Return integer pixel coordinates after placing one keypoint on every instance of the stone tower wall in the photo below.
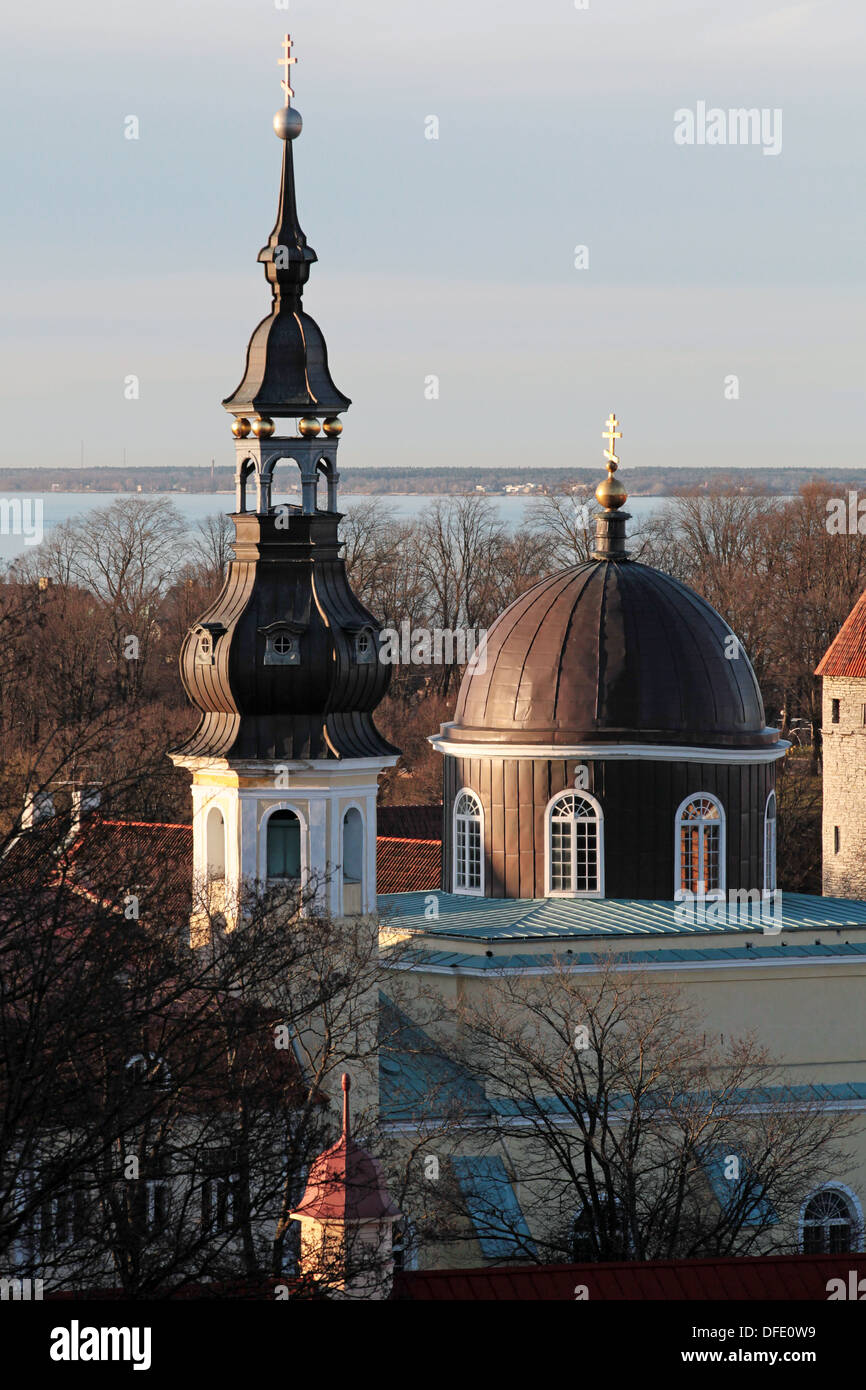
(844, 788)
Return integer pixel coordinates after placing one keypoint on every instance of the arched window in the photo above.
(700, 846)
(216, 844)
(147, 1069)
(284, 845)
(353, 861)
(353, 846)
(468, 839)
(404, 1246)
(770, 844)
(574, 847)
(599, 1233)
(830, 1226)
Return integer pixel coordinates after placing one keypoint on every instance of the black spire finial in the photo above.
(287, 358)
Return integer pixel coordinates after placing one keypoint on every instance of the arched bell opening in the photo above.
(243, 472)
(328, 470)
(353, 862)
(215, 844)
(283, 484)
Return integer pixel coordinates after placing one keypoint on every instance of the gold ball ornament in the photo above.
(241, 427)
(308, 427)
(263, 427)
(333, 427)
(610, 494)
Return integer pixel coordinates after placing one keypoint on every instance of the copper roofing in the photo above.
(846, 654)
(612, 650)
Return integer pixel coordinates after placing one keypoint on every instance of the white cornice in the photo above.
(609, 752)
(669, 967)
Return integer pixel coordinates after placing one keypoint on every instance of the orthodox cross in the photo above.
(611, 434)
(286, 62)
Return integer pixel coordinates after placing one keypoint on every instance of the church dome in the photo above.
(611, 651)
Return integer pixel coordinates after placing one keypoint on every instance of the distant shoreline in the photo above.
(650, 482)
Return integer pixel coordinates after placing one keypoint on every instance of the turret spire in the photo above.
(287, 359)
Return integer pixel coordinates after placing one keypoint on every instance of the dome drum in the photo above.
(637, 799)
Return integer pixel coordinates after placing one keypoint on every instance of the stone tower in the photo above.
(284, 665)
(843, 669)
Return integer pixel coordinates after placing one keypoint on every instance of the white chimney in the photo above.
(85, 800)
(38, 806)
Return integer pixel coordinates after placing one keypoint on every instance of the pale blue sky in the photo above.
(452, 257)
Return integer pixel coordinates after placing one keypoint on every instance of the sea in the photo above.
(25, 518)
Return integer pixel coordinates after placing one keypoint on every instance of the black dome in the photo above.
(612, 651)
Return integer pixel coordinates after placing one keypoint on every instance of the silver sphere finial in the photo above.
(288, 124)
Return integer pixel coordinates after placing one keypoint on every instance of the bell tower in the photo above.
(284, 665)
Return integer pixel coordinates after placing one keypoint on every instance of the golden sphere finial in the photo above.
(263, 427)
(333, 427)
(241, 427)
(308, 427)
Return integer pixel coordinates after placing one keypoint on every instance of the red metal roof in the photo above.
(846, 654)
(407, 866)
(345, 1182)
(790, 1277)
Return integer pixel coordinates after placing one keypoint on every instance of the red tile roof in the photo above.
(788, 1277)
(407, 866)
(846, 654)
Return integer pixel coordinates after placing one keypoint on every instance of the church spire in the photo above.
(287, 371)
(287, 257)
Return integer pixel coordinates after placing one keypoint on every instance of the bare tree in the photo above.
(633, 1135)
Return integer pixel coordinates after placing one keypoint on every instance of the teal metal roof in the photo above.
(523, 919)
(736, 1190)
(493, 1206)
(417, 1081)
(460, 960)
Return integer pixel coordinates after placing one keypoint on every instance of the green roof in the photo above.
(524, 919)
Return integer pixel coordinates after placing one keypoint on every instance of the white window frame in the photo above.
(263, 842)
(479, 821)
(854, 1206)
(714, 893)
(579, 795)
(770, 849)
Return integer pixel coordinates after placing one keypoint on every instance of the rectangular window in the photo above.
(220, 1190)
(560, 856)
(834, 711)
(468, 852)
(835, 839)
(863, 710)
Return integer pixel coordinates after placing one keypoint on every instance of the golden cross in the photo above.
(611, 434)
(286, 62)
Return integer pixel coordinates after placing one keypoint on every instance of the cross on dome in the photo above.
(286, 62)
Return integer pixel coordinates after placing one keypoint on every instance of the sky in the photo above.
(451, 257)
